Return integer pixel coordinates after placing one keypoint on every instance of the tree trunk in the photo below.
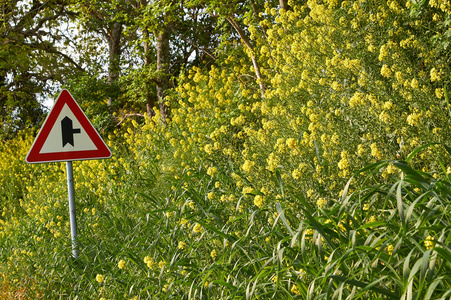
(113, 37)
(148, 58)
(163, 63)
(283, 4)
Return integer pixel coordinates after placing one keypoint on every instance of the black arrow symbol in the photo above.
(67, 129)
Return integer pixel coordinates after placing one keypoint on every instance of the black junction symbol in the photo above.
(68, 130)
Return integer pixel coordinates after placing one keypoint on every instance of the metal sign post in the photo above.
(72, 219)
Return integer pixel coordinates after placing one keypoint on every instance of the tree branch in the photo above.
(246, 41)
(42, 21)
(54, 51)
(195, 46)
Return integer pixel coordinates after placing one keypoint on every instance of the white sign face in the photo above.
(54, 142)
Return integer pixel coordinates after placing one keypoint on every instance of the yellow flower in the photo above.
(291, 143)
(372, 219)
(387, 105)
(435, 75)
(161, 264)
(390, 249)
(181, 245)
(121, 264)
(360, 150)
(336, 86)
(302, 272)
(212, 171)
(209, 149)
(247, 190)
(295, 290)
(439, 93)
(357, 99)
(375, 151)
(429, 242)
(296, 174)
(149, 262)
(385, 71)
(343, 164)
(384, 117)
(100, 278)
(214, 254)
(198, 228)
(413, 119)
(272, 161)
(247, 166)
(321, 202)
(258, 201)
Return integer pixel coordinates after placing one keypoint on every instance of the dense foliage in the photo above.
(309, 161)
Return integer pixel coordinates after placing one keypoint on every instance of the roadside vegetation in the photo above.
(319, 172)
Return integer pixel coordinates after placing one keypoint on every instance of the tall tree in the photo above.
(107, 19)
(156, 24)
(173, 36)
(30, 57)
(163, 62)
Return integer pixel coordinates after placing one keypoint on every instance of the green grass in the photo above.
(369, 243)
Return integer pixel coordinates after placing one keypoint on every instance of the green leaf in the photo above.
(344, 198)
(306, 207)
(281, 215)
(400, 202)
(366, 286)
(279, 180)
(406, 268)
(446, 95)
(444, 253)
(414, 152)
(375, 167)
(414, 176)
(226, 284)
(448, 149)
(431, 289)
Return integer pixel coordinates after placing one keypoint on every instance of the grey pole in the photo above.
(73, 221)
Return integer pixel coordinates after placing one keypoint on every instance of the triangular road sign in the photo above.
(67, 135)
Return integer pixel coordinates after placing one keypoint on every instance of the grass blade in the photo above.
(371, 286)
(414, 152)
(281, 215)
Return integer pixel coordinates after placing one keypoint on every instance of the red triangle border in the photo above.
(65, 97)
